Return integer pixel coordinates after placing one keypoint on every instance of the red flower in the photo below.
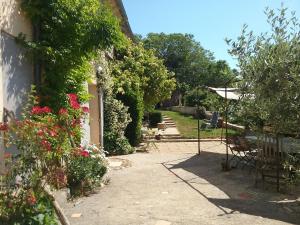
(85, 153)
(85, 109)
(46, 109)
(63, 111)
(3, 126)
(73, 101)
(73, 96)
(40, 132)
(75, 104)
(39, 110)
(52, 133)
(36, 110)
(46, 144)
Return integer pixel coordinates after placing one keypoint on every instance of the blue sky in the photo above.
(210, 21)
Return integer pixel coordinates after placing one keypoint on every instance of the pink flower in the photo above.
(63, 111)
(85, 109)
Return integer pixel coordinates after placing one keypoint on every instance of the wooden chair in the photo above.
(270, 158)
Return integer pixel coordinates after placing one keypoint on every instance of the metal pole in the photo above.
(226, 123)
(277, 162)
(199, 150)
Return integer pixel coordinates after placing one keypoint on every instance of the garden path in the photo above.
(172, 185)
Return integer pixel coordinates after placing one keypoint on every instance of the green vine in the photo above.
(70, 33)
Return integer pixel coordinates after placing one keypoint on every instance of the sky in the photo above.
(210, 21)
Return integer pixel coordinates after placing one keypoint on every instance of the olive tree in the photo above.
(270, 71)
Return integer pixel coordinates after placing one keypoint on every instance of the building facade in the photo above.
(17, 70)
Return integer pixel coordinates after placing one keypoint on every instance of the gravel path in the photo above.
(172, 185)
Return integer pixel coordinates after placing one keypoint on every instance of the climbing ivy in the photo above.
(70, 32)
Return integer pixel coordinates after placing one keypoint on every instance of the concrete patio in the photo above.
(173, 185)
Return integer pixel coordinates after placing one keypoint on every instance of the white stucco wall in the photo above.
(16, 71)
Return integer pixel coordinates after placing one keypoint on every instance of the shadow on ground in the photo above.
(238, 194)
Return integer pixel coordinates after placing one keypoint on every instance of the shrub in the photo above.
(116, 144)
(134, 100)
(155, 118)
(26, 207)
(85, 169)
(195, 97)
(116, 118)
(49, 152)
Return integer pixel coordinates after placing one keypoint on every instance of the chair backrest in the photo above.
(214, 119)
(268, 148)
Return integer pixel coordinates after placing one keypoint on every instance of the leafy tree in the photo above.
(182, 55)
(270, 67)
(192, 64)
(140, 81)
(141, 66)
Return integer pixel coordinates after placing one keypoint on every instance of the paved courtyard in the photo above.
(172, 185)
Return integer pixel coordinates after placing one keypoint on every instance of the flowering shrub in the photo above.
(86, 167)
(26, 207)
(49, 152)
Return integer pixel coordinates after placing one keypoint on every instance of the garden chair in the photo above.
(242, 152)
(270, 160)
(213, 122)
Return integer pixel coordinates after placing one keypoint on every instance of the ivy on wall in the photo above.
(70, 32)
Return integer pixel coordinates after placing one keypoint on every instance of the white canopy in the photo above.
(231, 92)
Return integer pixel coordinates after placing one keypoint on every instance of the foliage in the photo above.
(269, 65)
(49, 147)
(136, 64)
(86, 168)
(140, 82)
(192, 64)
(155, 118)
(69, 33)
(26, 207)
(204, 98)
(116, 116)
(134, 100)
(270, 69)
(117, 144)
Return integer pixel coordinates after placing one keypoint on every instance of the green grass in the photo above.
(188, 126)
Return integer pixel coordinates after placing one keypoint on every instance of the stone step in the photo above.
(183, 140)
(170, 137)
(170, 123)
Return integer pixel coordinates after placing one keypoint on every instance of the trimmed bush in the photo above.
(155, 118)
(134, 101)
(116, 144)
